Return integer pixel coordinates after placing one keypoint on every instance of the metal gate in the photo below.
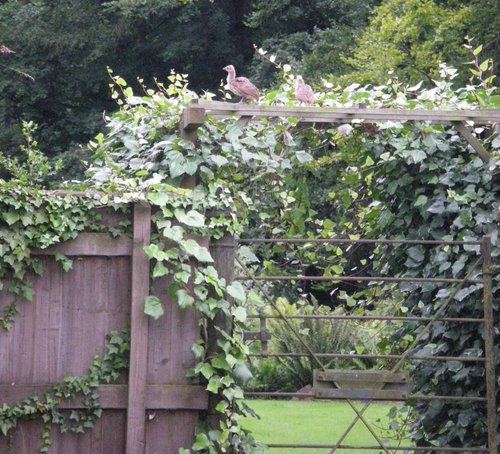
(392, 384)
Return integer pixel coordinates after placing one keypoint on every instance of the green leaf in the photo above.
(159, 198)
(477, 50)
(237, 291)
(240, 314)
(201, 442)
(247, 255)
(201, 253)
(421, 201)
(153, 307)
(160, 270)
(191, 218)
(198, 350)
(303, 156)
(417, 155)
(184, 299)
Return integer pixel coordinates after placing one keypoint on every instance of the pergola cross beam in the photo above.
(193, 114)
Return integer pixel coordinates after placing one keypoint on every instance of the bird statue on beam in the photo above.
(241, 86)
(303, 92)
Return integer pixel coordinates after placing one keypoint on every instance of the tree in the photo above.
(66, 46)
(311, 36)
(411, 38)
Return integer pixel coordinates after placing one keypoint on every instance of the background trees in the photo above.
(66, 46)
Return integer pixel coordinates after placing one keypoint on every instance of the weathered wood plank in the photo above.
(360, 394)
(136, 418)
(336, 115)
(93, 244)
(473, 142)
(160, 397)
(168, 431)
(361, 375)
(191, 118)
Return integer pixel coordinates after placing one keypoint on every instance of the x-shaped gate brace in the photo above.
(488, 270)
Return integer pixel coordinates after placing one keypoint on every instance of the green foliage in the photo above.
(284, 179)
(34, 218)
(410, 37)
(322, 336)
(104, 370)
(66, 47)
(311, 36)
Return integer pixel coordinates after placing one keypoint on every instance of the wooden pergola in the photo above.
(193, 117)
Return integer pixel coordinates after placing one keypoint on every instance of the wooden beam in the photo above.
(362, 375)
(192, 118)
(158, 397)
(473, 142)
(93, 244)
(360, 394)
(136, 409)
(341, 115)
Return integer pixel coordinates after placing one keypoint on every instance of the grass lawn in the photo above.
(315, 422)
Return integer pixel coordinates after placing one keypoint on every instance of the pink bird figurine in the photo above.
(241, 86)
(303, 92)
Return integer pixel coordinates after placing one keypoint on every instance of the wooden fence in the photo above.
(156, 409)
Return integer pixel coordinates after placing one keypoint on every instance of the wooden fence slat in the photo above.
(91, 244)
(157, 397)
(136, 417)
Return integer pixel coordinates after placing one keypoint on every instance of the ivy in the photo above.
(103, 370)
(276, 177)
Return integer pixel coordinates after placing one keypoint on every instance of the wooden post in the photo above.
(222, 252)
(192, 118)
(136, 410)
(473, 142)
(489, 345)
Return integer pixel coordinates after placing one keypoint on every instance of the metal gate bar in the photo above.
(358, 414)
(394, 448)
(485, 244)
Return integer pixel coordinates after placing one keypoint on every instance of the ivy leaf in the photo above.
(191, 218)
(201, 442)
(237, 291)
(198, 350)
(153, 307)
(66, 263)
(11, 218)
(184, 299)
(174, 233)
(240, 314)
(247, 255)
(160, 270)
(159, 198)
(303, 156)
(417, 155)
(421, 201)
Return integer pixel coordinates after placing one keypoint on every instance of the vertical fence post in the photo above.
(489, 339)
(222, 252)
(136, 408)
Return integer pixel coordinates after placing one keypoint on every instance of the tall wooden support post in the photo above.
(192, 118)
(136, 409)
(489, 340)
(222, 252)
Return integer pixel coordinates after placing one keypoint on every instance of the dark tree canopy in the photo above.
(67, 45)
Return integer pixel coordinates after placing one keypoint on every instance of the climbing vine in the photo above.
(103, 370)
(272, 176)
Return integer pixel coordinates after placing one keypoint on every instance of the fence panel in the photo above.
(67, 323)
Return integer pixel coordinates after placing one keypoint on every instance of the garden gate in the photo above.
(392, 385)
(194, 117)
